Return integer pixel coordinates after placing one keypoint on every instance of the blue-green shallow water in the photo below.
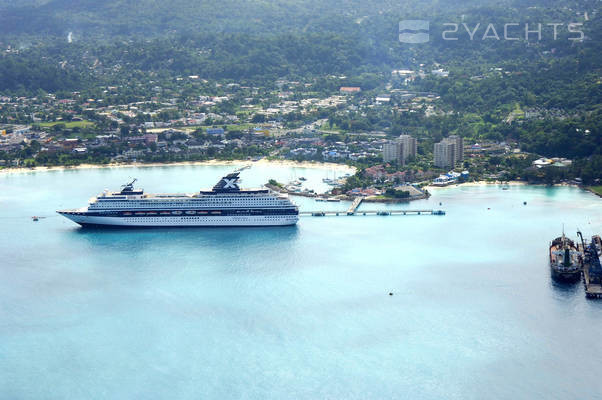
(300, 312)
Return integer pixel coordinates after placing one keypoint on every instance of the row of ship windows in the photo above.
(188, 202)
(193, 199)
(97, 205)
(220, 220)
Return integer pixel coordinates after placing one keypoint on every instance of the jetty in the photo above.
(592, 269)
(593, 286)
(320, 213)
(353, 207)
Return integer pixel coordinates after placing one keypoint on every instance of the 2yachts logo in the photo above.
(417, 31)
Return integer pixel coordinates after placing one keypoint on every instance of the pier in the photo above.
(592, 290)
(591, 268)
(353, 207)
(370, 212)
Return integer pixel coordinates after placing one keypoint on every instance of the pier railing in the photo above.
(370, 212)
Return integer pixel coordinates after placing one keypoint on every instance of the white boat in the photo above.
(225, 205)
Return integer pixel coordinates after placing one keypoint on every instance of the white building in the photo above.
(400, 149)
(448, 152)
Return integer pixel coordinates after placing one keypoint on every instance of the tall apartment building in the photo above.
(449, 151)
(392, 151)
(459, 142)
(400, 149)
(408, 147)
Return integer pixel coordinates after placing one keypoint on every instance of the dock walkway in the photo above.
(353, 207)
(370, 212)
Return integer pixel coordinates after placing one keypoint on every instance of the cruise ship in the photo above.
(225, 205)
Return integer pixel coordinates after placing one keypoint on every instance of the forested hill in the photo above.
(154, 17)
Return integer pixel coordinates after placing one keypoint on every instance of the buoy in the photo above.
(524, 203)
(390, 293)
(439, 203)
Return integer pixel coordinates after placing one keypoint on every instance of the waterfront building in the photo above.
(400, 149)
(444, 154)
(448, 152)
(392, 151)
(409, 146)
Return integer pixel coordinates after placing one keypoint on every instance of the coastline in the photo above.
(481, 183)
(432, 188)
(283, 163)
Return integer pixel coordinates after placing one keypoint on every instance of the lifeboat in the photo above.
(140, 213)
(190, 212)
(164, 213)
(176, 212)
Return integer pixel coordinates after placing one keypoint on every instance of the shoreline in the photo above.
(432, 188)
(282, 163)
(484, 183)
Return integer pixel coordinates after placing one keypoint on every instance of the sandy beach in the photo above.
(432, 188)
(280, 163)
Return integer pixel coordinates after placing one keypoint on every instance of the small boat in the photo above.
(565, 262)
(333, 200)
(320, 199)
(35, 219)
(301, 178)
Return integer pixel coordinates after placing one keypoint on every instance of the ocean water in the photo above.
(298, 312)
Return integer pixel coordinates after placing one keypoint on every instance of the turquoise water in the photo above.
(295, 312)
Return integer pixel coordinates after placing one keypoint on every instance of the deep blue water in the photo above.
(297, 312)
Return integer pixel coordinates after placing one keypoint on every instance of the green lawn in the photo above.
(330, 128)
(229, 127)
(596, 189)
(68, 125)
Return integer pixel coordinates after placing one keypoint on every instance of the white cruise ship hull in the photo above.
(182, 221)
(225, 205)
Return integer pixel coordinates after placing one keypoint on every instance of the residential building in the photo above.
(399, 150)
(392, 151)
(444, 154)
(408, 147)
(448, 152)
(350, 89)
(459, 142)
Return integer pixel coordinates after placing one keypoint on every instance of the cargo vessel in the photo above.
(565, 260)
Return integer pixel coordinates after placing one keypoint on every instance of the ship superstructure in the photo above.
(225, 205)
